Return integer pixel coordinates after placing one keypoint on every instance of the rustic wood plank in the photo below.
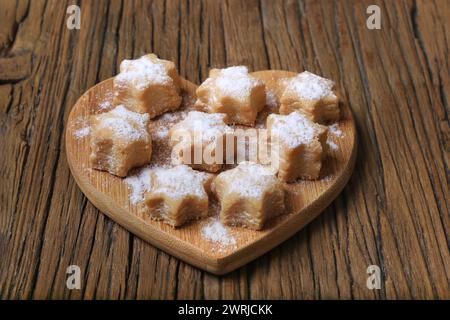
(393, 213)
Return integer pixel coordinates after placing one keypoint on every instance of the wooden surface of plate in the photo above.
(305, 199)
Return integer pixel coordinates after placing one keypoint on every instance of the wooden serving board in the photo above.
(110, 194)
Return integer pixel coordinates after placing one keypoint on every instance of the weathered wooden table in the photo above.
(394, 213)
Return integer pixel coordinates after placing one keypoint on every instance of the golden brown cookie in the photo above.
(312, 95)
(300, 145)
(234, 92)
(120, 140)
(177, 195)
(249, 195)
(148, 85)
(199, 140)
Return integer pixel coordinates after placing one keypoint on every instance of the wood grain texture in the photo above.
(394, 212)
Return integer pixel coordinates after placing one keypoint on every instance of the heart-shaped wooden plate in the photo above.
(111, 195)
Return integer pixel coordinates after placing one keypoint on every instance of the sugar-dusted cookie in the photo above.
(120, 140)
(300, 145)
(148, 85)
(312, 95)
(177, 195)
(249, 195)
(199, 140)
(234, 92)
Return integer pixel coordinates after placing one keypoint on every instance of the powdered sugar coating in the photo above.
(160, 133)
(309, 86)
(236, 83)
(217, 233)
(180, 181)
(104, 105)
(82, 132)
(249, 179)
(143, 72)
(210, 125)
(81, 127)
(122, 112)
(161, 125)
(139, 184)
(332, 145)
(124, 124)
(271, 99)
(170, 117)
(293, 129)
(335, 130)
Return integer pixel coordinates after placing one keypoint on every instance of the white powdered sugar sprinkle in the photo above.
(210, 125)
(81, 128)
(335, 130)
(122, 112)
(141, 73)
(170, 117)
(180, 181)
(104, 105)
(163, 124)
(249, 179)
(160, 133)
(122, 128)
(294, 129)
(217, 233)
(139, 184)
(236, 82)
(271, 99)
(307, 85)
(82, 132)
(332, 145)
(124, 123)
